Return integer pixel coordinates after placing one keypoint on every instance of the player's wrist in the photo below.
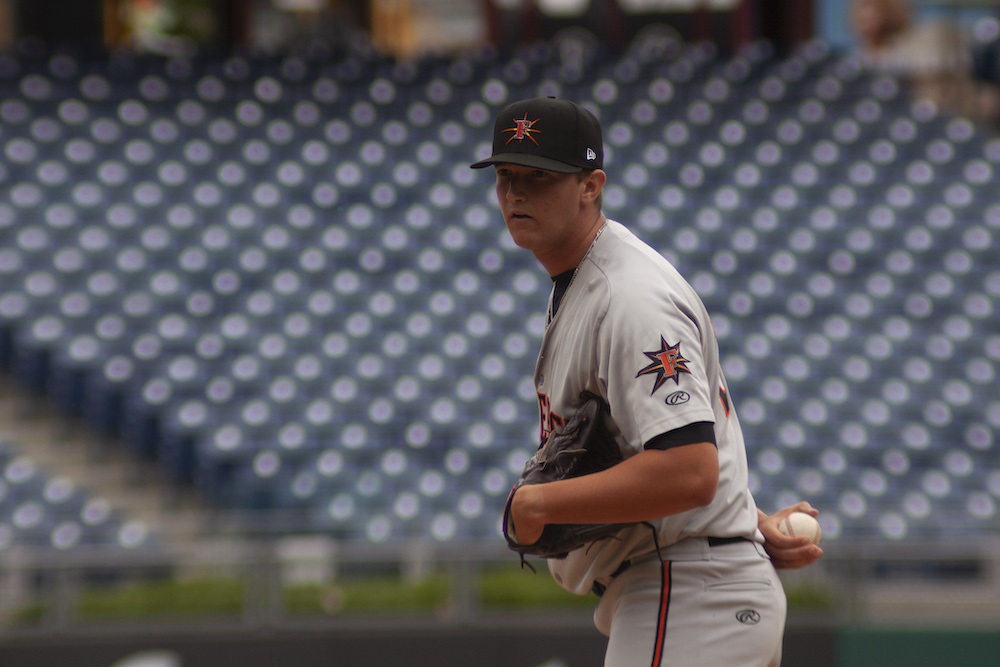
(525, 506)
(525, 514)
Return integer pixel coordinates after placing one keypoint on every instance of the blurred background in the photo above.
(266, 348)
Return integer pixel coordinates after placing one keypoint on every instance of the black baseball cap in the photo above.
(547, 133)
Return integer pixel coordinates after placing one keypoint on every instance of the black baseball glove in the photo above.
(583, 446)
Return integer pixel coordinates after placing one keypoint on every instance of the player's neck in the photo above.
(570, 256)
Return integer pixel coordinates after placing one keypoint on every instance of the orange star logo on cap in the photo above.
(523, 129)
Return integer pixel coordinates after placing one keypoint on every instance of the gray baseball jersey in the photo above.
(630, 329)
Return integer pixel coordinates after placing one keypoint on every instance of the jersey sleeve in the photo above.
(651, 357)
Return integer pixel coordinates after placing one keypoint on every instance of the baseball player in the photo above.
(691, 583)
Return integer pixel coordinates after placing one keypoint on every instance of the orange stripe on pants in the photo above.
(661, 621)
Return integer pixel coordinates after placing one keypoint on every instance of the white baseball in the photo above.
(800, 524)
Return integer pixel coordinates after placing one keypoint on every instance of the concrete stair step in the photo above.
(102, 467)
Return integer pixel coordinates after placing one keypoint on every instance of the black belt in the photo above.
(723, 541)
(599, 589)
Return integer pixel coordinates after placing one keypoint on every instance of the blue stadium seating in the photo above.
(278, 279)
(38, 510)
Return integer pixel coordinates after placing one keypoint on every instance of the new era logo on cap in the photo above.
(551, 134)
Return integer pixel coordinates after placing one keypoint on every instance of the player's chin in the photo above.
(523, 232)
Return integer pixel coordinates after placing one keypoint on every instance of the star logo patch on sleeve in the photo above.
(667, 364)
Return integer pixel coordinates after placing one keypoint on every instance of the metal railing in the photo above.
(41, 590)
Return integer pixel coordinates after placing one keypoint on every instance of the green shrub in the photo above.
(369, 594)
(194, 597)
(500, 588)
(510, 587)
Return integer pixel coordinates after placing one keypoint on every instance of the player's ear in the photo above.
(594, 185)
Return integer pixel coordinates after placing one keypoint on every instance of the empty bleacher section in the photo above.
(278, 278)
(45, 511)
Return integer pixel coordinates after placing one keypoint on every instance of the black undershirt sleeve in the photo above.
(685, 435)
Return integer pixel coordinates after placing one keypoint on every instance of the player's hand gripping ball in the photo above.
(800, 524)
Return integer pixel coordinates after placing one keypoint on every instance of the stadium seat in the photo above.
(277, 278)
(52, 512)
